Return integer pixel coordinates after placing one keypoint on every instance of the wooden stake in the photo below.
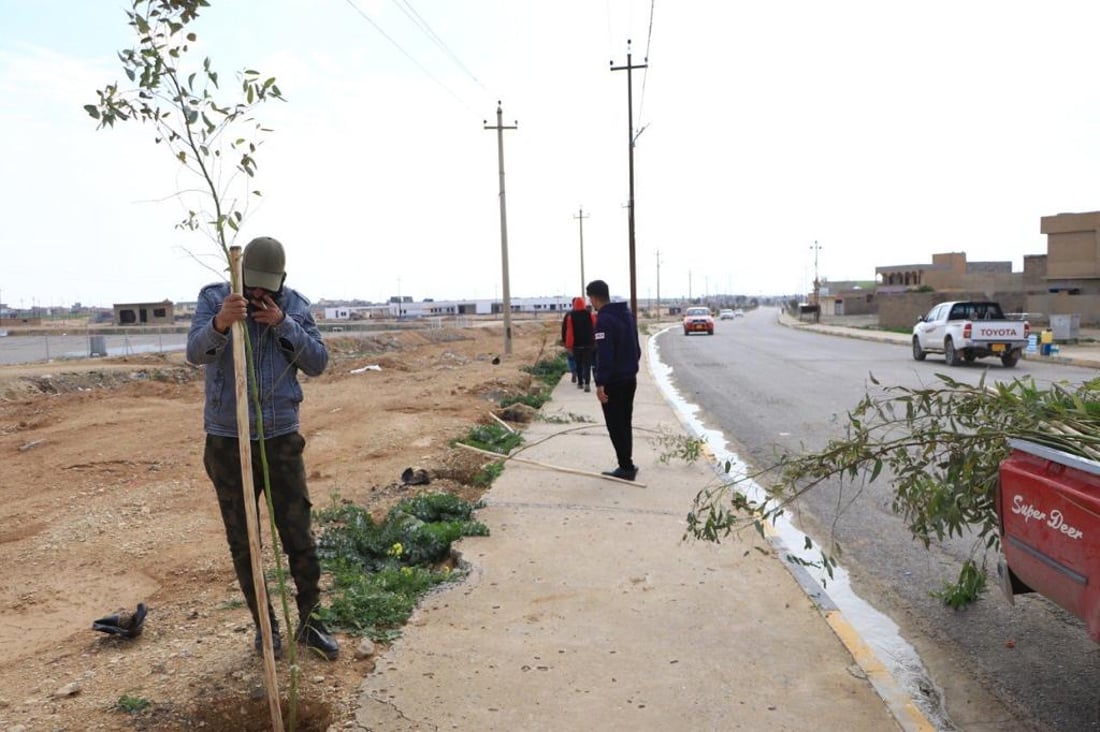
(559, 468)
(240, 371)
(503, 424)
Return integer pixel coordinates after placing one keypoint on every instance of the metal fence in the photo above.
(49, 346)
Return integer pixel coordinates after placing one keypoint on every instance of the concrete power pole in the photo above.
(658, 284)
(817, 284)
(580, 217)
(629, 69)
(507, 300)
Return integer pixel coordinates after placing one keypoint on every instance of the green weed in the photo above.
(380, 569)
(132, 704)
(535, 401)
(488, 474)
(492, 437)
(549, 370)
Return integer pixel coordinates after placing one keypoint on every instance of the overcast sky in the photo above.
(885, 131)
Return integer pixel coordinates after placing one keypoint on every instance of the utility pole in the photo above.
(689, 286)
(817, 284)
(507, 302)
(658, 284)
(629, 69)
(580, 217)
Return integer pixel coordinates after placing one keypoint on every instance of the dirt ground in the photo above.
(104, 504)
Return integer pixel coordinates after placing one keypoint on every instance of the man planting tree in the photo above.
(284, 340)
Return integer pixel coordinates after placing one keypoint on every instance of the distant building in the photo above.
(847, 297)
(1067, 280)
(145, 313)
(948, 271)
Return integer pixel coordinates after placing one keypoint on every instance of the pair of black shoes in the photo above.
(312, 633)
(623, 473)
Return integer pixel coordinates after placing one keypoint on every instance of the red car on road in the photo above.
(698, 320)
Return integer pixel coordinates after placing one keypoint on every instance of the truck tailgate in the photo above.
(1049, 506)
(999, 331)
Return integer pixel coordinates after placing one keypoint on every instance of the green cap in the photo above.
(264, 264)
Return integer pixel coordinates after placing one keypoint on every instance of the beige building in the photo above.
(948, 271)
(905, 292)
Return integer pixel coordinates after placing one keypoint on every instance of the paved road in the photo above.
(767, 387)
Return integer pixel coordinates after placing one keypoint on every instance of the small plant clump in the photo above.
(535, 401)
(132, 704)
(380, 570)
(549, 370)
(485, 477)
(678, 447)
(492, 438)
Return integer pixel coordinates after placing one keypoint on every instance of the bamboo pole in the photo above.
(548, 466)
(240, 371)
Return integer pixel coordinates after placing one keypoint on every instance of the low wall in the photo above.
(1061, 303)
(899, 310)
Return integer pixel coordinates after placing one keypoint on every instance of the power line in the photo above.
(419, 21)
(407, 55)
(645, 74)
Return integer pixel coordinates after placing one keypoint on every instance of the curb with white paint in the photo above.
(872, 639)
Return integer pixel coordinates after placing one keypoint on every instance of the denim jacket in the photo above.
(279, 353)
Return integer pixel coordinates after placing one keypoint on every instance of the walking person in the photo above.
(617, 357)
(569, 360)
(580, 331)
(285, 340)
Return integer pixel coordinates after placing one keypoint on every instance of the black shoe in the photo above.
(587, 387)
(316, 636)
(622, 473)
(574, 379)
(276, 642)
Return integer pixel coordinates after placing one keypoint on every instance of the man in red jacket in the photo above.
(580, 329)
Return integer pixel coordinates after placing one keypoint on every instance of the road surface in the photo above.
(767, 388)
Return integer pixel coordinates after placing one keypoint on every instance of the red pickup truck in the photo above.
(1048, 503)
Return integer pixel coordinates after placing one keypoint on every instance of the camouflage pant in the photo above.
(290, 496)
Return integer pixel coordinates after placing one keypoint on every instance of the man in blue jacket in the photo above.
(617, 356)
(284, 340)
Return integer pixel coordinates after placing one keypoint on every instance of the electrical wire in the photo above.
(408, 55)
(645, 72)
(410, 12)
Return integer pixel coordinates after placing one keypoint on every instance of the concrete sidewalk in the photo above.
(586, 610)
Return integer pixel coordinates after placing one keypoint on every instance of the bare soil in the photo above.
(104, 504)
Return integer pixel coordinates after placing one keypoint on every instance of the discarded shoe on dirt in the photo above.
(415, 476)
(123, 623)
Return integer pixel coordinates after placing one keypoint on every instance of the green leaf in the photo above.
(192, 117)
(92, 110)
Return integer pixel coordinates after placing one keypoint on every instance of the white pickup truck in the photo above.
(964, 331)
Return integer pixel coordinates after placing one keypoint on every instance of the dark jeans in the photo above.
(290, 497)
(618, 412)
(583, 356)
